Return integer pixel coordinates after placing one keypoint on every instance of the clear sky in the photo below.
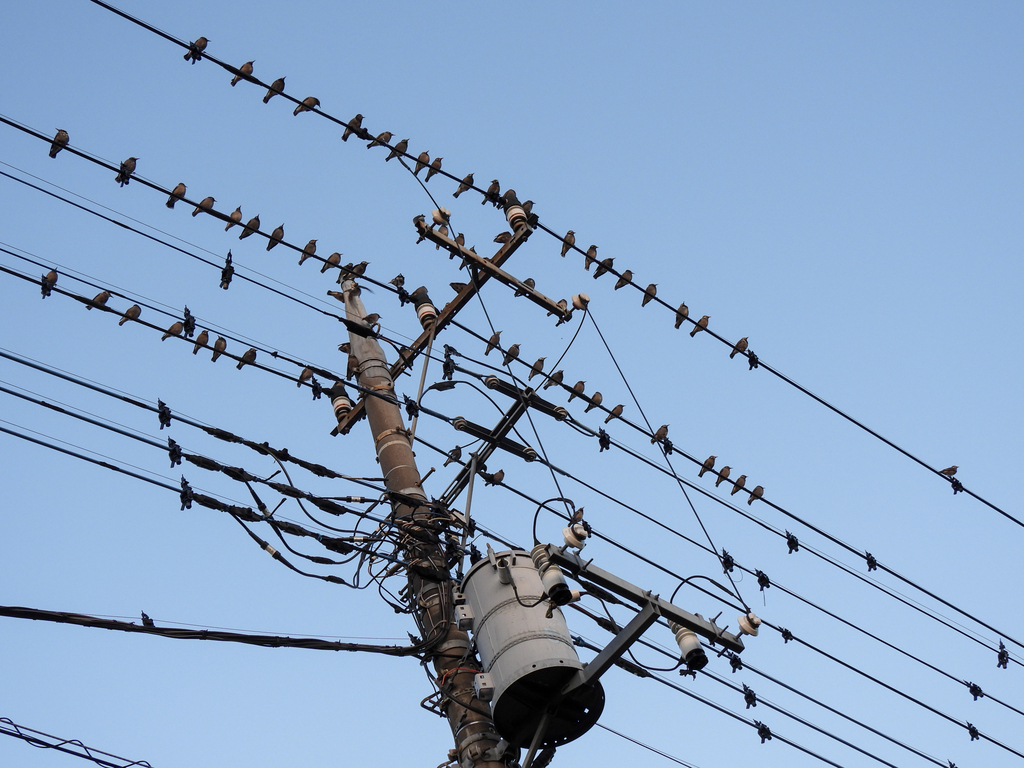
(840, 183)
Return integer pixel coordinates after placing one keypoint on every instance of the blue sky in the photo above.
(842, 184)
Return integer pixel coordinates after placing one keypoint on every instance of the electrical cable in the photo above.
(68, 746)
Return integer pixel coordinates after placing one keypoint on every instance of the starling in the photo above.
(306, 105)
(443, 231)
(434, 168)
(492, 342)
(650, 293)
(248, 357)
(457, 287)
(739, 349)
(47, 282)
(511, 354)
(563, 305)
(201, 340)
(346, 348)
(174, 330)
(245, 69)
(950, 471)
(381, 140)
(355, 125)
(124, 173)
(453, 455)
(227, 272)
(626, 279)
(568, 242)
(337, 295)
(464, 186)
(353, 366)
(681, 314)
(757, 493)
(661, 434)
(527, 283)
(359, 269)
(235, 216)
(503, 237)
(577, 389)
(275, 237)
(59, 142)
(399, 150)
(554, 379)
(195, 50)
(536, 368)
(176, 194)
(491, 194)
(603, 267)
(146, 621)
(738, 485)
(615, 413)
(309, 250)
(700, 326)
(421, 162)
(205, 205)
(218, 348)
(307, 373)
(275, 88)
(595, 400)
(252, 226)
(333, 260)
(460, 239)
(528, 207)
(132, 313)
(591, 257)
(494, 479)
(398, 280)
(723, 475)
(372, 319)
(707, 466)
(99, 300)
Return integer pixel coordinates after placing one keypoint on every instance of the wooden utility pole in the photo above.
(423, 528)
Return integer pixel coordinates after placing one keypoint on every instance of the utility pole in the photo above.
(423, 528)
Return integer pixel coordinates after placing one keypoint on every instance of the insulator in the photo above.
(575, 536)
(514, 213)
(689, 645)
(340, 401)
(749, 624)
(425, 311)
(551, 576)
(580, 300)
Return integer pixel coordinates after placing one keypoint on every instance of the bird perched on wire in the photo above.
(398, 280)
(235, 216)
(707, 466)
(60, 140)
(701, 325)
(248, 357)
(251, 226)
(355, 125)
(204, 205)
(421, 162)
(334, 260)
(275, 89)
(453, 455)
(660, 434)
(492, 342)
(175, 330)
(47, 282)
(195, 50)
(218, 348)
(650, 293)
(568, 242)
(737, 486)
(381, 141)
(494, 479)
(603, 267)
(132, 313)
(464, 186)
(537, 368)
(176, 194)
(595, 400)
(739, 348)
(99, 300)
(949, 471)
(201, 339)
(554, 379)
(615, 413)
(757, 493)
(511, 354)
(146, 621)
(577, 390)
(399, 150)
(245, 70)
(373, 320)
(624, 280)
(308, 251)
(124, 173)
(275, 237)
(681, 314)
(723, 475)
(434, 168)
(491, 195)
(306, 105)
(306, 375)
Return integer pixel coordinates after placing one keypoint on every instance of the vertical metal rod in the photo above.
(542, 726)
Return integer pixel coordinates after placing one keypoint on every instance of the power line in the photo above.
(68, 746)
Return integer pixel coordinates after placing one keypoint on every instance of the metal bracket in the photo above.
(618, 646)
